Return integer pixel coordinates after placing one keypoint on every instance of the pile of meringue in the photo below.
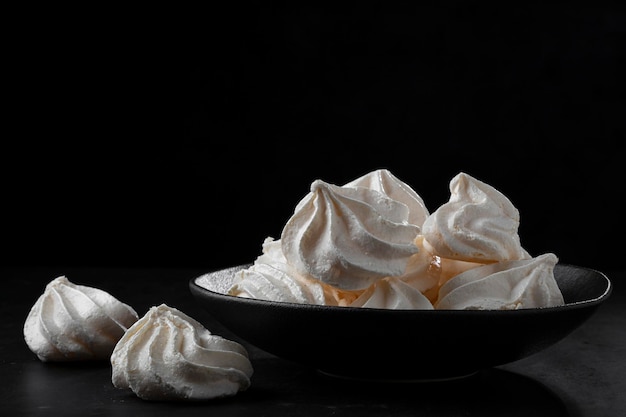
(372, 243)
(165, 355)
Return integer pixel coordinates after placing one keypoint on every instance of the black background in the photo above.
(182, 138)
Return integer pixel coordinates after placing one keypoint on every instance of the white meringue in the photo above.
(506, 285)
(270, 282)
(392, 293)
(167, 355)
(477, 224)
(70, 322)
(271, 252)
(271, 278)
(373, 243)
(423, 270)
(348, 237)
(382, 180)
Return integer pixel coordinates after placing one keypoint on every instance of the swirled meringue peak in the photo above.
(392, 293)
(372, 243)
(348, 237)
(477, 224)
(70, 322)
(167, 355)
(507, 285)
(382, 180)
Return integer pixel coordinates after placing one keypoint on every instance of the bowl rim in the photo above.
(194, 285)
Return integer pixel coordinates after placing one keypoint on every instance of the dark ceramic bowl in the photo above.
(383, 344)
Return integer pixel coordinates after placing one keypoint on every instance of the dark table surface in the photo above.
(582, 375)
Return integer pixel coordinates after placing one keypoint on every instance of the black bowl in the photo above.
(381, 344)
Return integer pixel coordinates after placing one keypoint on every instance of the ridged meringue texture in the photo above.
(373, 244)
(271, 278)
(70, 322)
(383, 181)
(270, 282)
(348, 237)
(477, 224)
(168, 356)
(392, 293)
(506, 285)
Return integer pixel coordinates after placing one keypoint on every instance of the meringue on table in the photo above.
(167, 355)
(70, 322)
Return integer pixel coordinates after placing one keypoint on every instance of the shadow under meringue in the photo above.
(282, 388)
(490, 392)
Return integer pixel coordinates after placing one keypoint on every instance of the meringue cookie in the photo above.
(271, 278)
(392, 293)
(506, 285)
(372, 242)
(70, 322)
(382, 180)
(167, 355)
(423, 270)
(271, 252)
(348, 237)
(477, 224)
(270, 282)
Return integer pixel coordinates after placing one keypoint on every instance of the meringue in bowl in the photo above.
(400, 344)
(364, 281)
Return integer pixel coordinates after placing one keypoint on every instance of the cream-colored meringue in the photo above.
(372, 242)
(271, 252)
(258, 281)
(167, 355)
(477, 224)
(382, 180)
(506, 285)
(273, 283)
(70, 322)
(392, 293)
(348, 237)
(423, 270)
